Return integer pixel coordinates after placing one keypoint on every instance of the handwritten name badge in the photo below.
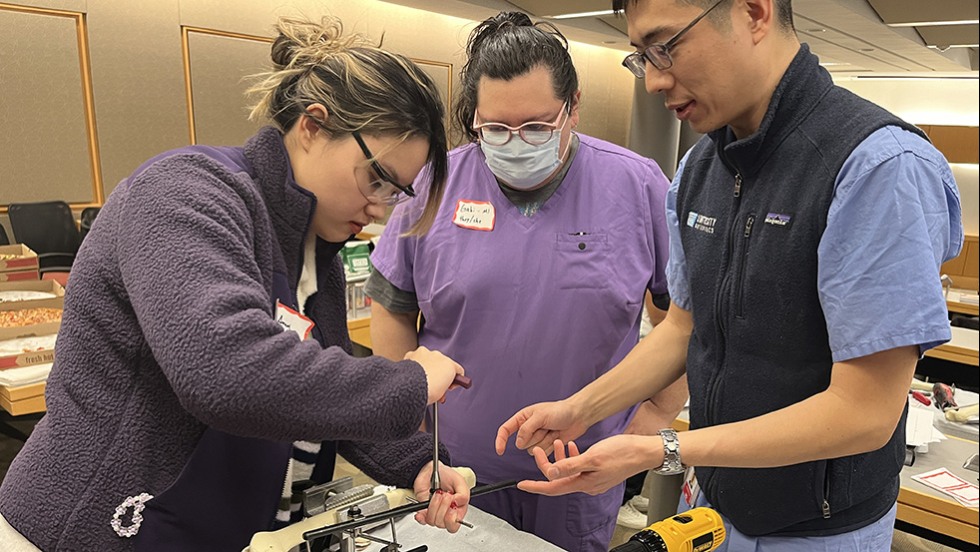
(475, 215)
(291, 320)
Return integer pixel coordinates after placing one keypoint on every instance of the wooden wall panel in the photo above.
(960, 144)
(48, 146)
(970, 268)
(964, 268)
(218, 65)
(216, 71)
(138, 82)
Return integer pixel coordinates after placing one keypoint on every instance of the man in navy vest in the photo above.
(807, 229)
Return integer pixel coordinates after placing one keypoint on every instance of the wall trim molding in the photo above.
(88, 97)
(185, 45)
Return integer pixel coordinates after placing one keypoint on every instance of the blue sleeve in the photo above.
(657, 184)
(894, 219)
(677, 280)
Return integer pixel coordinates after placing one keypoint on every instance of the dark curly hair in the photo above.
(506, 46)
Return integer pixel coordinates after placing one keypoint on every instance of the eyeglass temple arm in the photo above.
(409, 191)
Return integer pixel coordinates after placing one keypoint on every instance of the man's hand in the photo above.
(450, 503)
(539, 425)
(605, 465)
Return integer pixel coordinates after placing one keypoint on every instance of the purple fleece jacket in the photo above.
(168, 330)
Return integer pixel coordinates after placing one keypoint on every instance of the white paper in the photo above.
(14, 377)
(918, 426)
(23, 295)
(948, 483)
(475, 215)
(22, 345)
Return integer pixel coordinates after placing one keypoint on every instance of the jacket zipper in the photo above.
(740, 276)
(825, 506)
(720, 299)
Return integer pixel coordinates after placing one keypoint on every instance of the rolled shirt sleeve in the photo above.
(894, 219)
(677, 281)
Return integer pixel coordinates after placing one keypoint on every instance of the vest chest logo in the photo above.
(703, 223)
(778, 219)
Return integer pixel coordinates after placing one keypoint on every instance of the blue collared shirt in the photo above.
(894, 219)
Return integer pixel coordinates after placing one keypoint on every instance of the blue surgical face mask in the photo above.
(523, 166)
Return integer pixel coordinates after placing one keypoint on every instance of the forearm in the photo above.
(840, 421)
(656, 362)
(392, 462)
(393, 333)
(662, 409)
(656, 315)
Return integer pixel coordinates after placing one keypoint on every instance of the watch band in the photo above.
(672, 464)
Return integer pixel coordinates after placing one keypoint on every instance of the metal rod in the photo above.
(435, 483)
(378, 540)
(462, 522)
(395, 512)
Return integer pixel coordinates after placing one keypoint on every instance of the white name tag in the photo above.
(474, 215)
(291, 320)
(690, 489)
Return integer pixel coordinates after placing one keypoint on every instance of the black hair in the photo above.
(784, 10)
(363, 88)
(506, 46)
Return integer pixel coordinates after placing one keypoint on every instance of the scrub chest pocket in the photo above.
(582, 260)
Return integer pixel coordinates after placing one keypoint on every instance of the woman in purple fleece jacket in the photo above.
(182, 407)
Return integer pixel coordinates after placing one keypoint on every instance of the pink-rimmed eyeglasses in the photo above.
(534, 133)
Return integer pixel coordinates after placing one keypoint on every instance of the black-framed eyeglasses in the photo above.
(380, 191)
(658, 53)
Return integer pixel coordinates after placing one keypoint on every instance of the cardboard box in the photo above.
(45, 286)
(25, 399)
(19, 276)
(50, 303)
(356, 255)
(23, 392)
(18, 263)
(29, 358)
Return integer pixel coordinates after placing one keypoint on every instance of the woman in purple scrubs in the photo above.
(534, 272)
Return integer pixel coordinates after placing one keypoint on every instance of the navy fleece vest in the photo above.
(752, 213)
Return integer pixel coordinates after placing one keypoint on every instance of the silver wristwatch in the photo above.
(672, 454)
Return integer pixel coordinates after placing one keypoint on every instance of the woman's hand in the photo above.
(448, 507)
(440, 371)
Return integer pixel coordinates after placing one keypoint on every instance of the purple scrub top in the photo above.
(533, 308)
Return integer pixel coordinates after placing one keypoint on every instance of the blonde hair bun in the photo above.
(303, 43)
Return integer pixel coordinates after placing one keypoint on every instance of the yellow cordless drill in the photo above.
(697, 530)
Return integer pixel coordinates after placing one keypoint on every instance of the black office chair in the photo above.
(3, 236)
(87, 218)
(49, 229)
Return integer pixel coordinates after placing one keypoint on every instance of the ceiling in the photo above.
(863, 38)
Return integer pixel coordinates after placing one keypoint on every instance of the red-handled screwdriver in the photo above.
(917, 395)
